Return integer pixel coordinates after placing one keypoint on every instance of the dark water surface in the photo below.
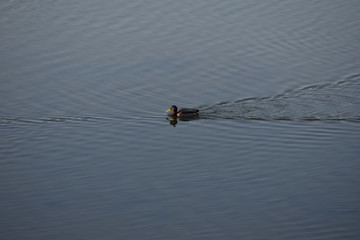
(86, 151)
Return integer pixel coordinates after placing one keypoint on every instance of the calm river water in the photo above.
(87, 152)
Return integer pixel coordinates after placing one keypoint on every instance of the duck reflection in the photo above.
(173, 120)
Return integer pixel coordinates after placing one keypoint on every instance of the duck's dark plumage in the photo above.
(182, 112)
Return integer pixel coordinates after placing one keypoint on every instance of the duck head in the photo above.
(172, 110)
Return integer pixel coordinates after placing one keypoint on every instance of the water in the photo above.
(328, 101)
(86, 150)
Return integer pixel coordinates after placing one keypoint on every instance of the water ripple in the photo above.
(329, 101)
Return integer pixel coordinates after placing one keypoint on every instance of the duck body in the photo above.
(182, 112)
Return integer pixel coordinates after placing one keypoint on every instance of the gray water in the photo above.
(87, 152)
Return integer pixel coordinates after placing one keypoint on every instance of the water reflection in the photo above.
(173, 120)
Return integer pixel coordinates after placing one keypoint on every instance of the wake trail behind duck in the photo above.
(339, 100)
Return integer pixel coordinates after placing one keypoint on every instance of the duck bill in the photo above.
(168, 110)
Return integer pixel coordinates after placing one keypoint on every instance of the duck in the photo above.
(182, 112)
